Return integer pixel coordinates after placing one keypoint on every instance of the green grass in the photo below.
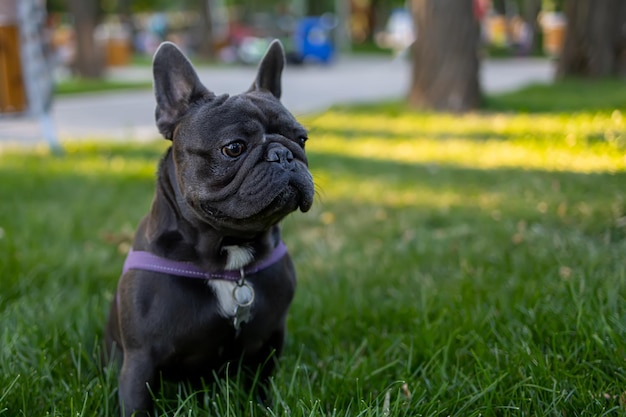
(369, 48)
(80, 85)
(570, 95)
(451, 265)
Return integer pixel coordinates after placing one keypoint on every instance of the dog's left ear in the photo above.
(176, 87)
(270, 70)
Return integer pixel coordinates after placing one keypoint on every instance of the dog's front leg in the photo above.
(264, 362)
(136, 377)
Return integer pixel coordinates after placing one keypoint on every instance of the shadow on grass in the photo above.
(567, 198)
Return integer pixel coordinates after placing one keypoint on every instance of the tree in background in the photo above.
(203, 29)
(89, 59)
(445, 56)
(530, 10)
(595, 40)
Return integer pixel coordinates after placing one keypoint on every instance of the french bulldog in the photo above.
(208, 281)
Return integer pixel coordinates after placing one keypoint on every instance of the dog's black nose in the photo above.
(280, 154)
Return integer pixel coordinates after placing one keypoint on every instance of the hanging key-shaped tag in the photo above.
(243, 294)
(242, 315)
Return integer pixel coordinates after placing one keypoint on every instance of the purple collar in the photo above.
(150, 262)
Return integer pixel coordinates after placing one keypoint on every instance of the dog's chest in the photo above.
(237, 258)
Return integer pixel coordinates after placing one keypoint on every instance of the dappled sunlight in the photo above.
(90, 159)
(487, 154)
(583, 126)
(429, 123)
(114, 165)
(578, 143)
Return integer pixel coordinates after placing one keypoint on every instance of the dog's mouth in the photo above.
(294, 195)
(255, 212)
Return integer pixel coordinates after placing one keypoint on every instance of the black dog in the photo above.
(208, 280)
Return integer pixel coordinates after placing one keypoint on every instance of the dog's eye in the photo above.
(234, 149)
(302, 140)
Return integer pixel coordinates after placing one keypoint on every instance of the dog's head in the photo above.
(239, 160)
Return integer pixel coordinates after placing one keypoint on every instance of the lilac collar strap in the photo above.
(149, 262)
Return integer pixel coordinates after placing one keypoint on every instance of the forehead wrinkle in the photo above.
(246, 128)
(254, 111)
(243, 106)
(231, 111)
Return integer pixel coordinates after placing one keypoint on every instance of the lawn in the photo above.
(78, 85)
(451, 265)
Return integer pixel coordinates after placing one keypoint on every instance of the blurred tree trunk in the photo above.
(124, 9)
(377, 17)
(315, 7)
(206, 45)
(595, 39)
(89, 58)
(530, 11)
(445, 56)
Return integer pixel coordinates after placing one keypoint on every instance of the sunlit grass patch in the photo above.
(579, 143)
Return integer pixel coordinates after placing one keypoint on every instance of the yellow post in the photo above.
(12, 90)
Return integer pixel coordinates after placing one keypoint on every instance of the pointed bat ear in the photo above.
(176, 87)
(270, 70)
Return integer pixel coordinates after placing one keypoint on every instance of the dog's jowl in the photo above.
(208, 280)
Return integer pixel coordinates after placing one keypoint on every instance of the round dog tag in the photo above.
(243, 294)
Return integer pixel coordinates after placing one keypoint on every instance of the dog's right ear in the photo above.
(176, 87)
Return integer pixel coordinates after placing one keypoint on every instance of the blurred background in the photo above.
(84, 37)
(46, 43)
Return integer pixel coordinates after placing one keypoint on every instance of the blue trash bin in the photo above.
(313, 39)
